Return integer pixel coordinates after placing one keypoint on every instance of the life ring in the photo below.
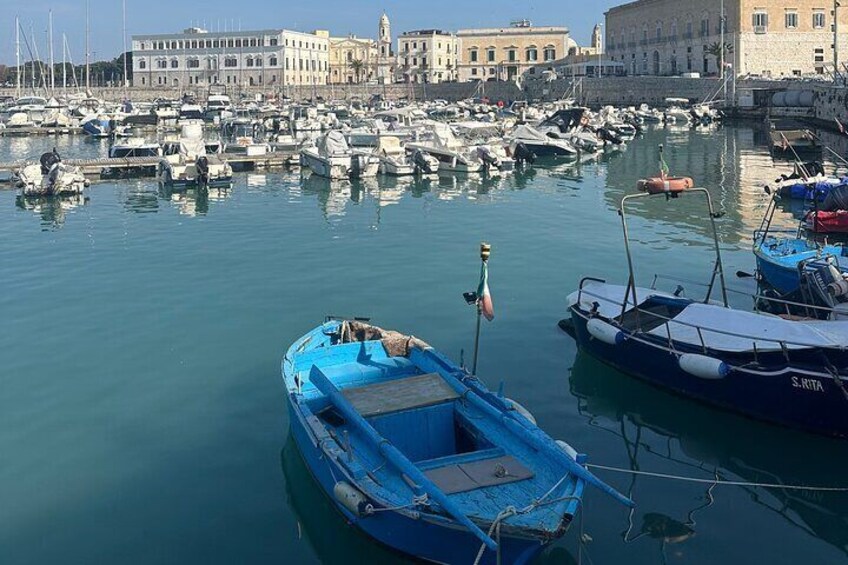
(659, 185)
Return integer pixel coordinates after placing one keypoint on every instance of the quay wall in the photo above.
(595, 92)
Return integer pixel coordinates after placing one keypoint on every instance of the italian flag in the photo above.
(484, 296)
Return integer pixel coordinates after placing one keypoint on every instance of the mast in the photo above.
(87, 50)
(124, 14)
(52, 62)
(18, 90)
(64, 66)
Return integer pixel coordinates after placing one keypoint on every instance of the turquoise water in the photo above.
(142, 414)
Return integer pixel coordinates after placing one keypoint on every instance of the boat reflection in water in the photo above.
(53, 210)
(712, 443)
(332, 539)
(194, 201)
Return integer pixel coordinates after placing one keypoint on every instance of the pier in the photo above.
(94, 167)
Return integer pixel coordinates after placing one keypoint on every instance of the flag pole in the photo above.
(485, 252)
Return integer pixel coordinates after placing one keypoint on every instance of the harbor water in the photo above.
(142, 412)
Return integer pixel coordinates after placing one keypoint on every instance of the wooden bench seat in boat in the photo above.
(400, 395)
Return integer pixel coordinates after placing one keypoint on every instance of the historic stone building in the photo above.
(199, 58)
(353, 60)
(505, 53)
(427, 56)
(761, 37)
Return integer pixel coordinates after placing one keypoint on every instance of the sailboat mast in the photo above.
(52, 62)
(18, 56)
(126, 80)
(87, 50)
(64, 65)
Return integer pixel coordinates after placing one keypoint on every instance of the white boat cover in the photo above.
(334, 143)
(716, 322)
(750, 328)
(527, 132)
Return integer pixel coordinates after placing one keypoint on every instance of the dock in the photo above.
(94, 167)
(38, 130)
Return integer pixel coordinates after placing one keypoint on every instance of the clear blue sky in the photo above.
(339, 16)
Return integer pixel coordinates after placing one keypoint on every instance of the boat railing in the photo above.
(783, 343)
(754, 297)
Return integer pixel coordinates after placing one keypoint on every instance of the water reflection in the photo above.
(654, 426)
(52, 210)
(321, 525)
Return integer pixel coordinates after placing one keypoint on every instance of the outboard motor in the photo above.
(422, 165)
(609, 136)
(48, 160)
(202, 165)
(53, 179)
(522, 154)
(488, 157)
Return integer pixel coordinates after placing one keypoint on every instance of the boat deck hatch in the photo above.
(651, 314)
(400, 395)
(464, 477)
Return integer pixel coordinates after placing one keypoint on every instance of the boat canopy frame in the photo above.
(718, 267)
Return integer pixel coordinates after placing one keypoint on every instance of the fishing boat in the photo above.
(781, 370)
(781, 256)
(417, 453)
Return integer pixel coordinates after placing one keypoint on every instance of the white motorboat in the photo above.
(50, 177)
(191, 165)
(134, 147)
(538, 144)
(332, 158)
(455, 157)
(675, 112)
(218, 107)
(397, 162)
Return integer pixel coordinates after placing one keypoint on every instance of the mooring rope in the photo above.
(716, 481)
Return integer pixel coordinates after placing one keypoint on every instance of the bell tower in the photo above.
(384, 50)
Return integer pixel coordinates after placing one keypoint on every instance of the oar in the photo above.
(398, 459)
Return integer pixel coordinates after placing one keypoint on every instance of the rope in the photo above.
(718, 482)
(507, 512)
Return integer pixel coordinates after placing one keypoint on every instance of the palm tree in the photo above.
(357, 65)
(714, 49)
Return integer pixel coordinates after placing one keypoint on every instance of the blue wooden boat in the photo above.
(418, 454)
(789, 372)
(780, 260)
(781, 256)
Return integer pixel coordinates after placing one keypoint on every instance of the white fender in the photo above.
(522, 410)
(602, 331)
(351, 498)
(704, 367)
(570, 451)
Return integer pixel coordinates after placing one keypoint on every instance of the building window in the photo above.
(659, 33)
(474, 72)
(490, 55)
(193, 63)
(550, 53)
(511, 55)
(705, 27)
(760, 21)
(142, 64)
(791, 19)
(249, 62)
(175, 64)
(230, 62)
(272, 61)
(473, 56)
(818, 19)
(532, 54)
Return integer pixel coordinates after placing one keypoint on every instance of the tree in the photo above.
(714, 49)
(357, 66)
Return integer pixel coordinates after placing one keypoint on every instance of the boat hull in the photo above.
(788, 397)
(420, 538)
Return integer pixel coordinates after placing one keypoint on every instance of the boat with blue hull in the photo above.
(419, 455)
(785, 371)
(782, 256)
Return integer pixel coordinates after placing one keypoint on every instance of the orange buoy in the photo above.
(668, 185)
